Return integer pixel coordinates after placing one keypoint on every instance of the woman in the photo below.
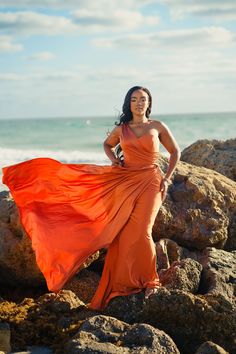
(71, 210)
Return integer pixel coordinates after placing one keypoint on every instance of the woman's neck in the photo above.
(139, 119)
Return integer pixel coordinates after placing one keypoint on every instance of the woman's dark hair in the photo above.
(127, 115)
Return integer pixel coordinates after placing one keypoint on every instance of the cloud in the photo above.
(7, 45)
(32, 23)
(73, 4)
(41, 76)
(177, 39)
(120, 20)
(216, 10)
(42, 56)
(11, 77)
(83, 20)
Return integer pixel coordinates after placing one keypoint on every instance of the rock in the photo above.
(219, 273)
(35, 350)
(9, 212)
(199, 210)
(214, 154)
(17, 259)
(169, 251)
(63, 301)
(182, 275)
(84, 285)
(210, 348)
(18, 266)
(103, 334)
(189, 319)
(5, 337)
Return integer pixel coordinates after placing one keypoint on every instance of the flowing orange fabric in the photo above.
(72, 210)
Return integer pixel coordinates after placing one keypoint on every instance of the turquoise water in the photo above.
(79, 140)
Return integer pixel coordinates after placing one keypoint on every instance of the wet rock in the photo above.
(214, 154)
(210, 348)
(189, 319)
(5, 335)
(199, 210)
(182, 275)
(103, 334)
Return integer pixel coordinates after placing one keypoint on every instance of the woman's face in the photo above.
(139, 102)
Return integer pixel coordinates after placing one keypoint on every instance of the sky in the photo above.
(78, 58)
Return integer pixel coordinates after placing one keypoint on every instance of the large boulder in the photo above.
(199, 210)
(5, 346)
(107, 335)
(189, 319)
(84, 284)
(215, 154)
(182, 275)
(63, 301)
(219, 273)
(210, 348)
(210, 271)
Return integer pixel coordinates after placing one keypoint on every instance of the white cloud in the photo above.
(31, 23)
(83, 20)
(7, 45)
(69, 4)
(217, 10)
(40, 76)
(120, 20)
(42, 56)
(11, 77)
(176, 39)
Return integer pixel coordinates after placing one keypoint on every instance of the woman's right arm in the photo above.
(109, 144)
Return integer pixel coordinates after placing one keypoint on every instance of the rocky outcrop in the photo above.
(84, 284)
(217, 155)
(199, 210)
(218, 275)
(105, 335)
(5, 346)
(189, 319)
(182, 275)
(63, 301)
(210, 348)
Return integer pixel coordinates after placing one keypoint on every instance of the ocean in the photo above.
(80, 140)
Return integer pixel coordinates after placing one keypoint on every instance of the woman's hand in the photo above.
(163, 189)
(117, 162)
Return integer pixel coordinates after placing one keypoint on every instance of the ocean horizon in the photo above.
(80, 140)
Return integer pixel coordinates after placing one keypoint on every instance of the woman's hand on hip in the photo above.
(163, 189)
(116, 162)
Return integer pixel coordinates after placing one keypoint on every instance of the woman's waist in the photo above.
(140, 166)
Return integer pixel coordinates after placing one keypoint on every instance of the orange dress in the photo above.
(72, 210)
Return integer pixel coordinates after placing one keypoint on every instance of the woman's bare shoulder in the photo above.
(116, 130)
(158, 124)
